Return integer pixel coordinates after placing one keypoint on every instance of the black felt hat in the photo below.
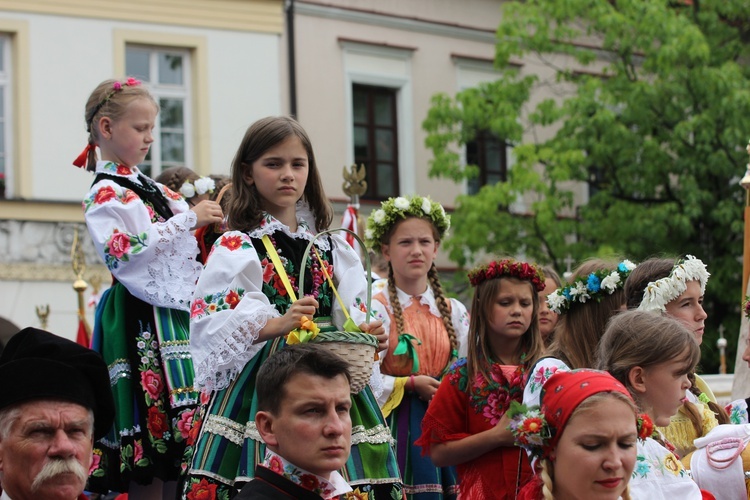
(40, 365)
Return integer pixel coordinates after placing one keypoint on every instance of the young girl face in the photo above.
(688, 309)
(596, 452)
(511, 312)
(663, 388)
(411, 250)
(280, 176)
(547, 319)
(126, 141)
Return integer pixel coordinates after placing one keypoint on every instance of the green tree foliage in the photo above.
(651, 108)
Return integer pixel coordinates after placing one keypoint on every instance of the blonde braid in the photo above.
(445, 312)
(395, 303)
(547, 485)
(626, 494)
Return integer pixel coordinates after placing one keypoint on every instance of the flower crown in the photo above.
(499, 268)
(661, 292)
(746, 306)
(532, 432)
(394, 209)
(116, 87)
(201, 186)
(592, 287)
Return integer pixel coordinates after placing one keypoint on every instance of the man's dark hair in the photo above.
(293, 359)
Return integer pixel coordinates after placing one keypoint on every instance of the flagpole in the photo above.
(78, 261)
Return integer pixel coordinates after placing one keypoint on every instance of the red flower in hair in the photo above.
(645, 426)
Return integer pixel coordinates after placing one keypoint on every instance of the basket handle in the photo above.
(368, 276)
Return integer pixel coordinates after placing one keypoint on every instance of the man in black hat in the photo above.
(55, 399)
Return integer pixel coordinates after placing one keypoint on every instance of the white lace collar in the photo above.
(427, 298)
(269, 225)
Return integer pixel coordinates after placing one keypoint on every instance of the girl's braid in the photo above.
(445, 312)
(721, 415)
(91, 156)
(547, 486)
(395, 303)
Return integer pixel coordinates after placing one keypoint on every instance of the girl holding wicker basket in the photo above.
(246, 308)
(427, 332)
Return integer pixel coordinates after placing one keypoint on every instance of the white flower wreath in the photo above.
(394, 209)
(661, 292)
(202, 186)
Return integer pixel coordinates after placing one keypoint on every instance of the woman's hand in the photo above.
(375, 328)
(208, 212)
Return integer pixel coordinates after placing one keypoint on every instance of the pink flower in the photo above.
(119, 244)
(150, 211)
(117, 86)
(133, 82)
(104, 194)
(205, 397)
(186, 423)
(152, 384)
(276, 465)
(198, 309)
(138, 453)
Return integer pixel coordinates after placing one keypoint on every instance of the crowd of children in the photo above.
(544, 389)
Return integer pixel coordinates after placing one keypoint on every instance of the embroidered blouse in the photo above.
(232, 302)
(659, 475)
(155, 259)
(423, 321)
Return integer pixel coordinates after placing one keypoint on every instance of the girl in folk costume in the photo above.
(652, 356)
(243, 311)
(585, 305)
(142, 231)
(427, 331)
(676, 288)
(466, 422)
(584, 435)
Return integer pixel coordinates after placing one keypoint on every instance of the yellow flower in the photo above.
(672, 465)
(307, 331)
(357, 495)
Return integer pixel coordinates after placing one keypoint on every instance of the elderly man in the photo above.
(54, 400)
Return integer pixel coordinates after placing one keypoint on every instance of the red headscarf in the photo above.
(564, 391)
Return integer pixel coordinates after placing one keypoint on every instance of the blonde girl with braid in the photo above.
(466, 424)
(427, 332)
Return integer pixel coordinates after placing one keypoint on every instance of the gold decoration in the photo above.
(355, 184)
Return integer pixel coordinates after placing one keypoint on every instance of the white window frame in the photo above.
(169, 91)
(6, 82)
(381, 66)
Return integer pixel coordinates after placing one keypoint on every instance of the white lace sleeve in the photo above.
(386, 383)
(228, 312)
(460, 319)
(349, 278)
(156, 262)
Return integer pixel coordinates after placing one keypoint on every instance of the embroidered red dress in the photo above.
(461, 409)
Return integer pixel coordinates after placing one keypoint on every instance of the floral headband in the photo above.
(201, 186)
(116, 87)
(538, 430)
(394, 209)
(746, 306)
(500, 268)
(592, 287)
(661, 292)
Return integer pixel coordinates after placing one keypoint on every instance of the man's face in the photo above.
(312, 429)
(47, 453)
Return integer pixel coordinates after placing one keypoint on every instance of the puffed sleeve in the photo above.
(460, 320)
(539, 374)
(351, 283)
(228, 312)
(156, 262)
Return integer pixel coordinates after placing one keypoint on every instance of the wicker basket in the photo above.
(357, 348)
